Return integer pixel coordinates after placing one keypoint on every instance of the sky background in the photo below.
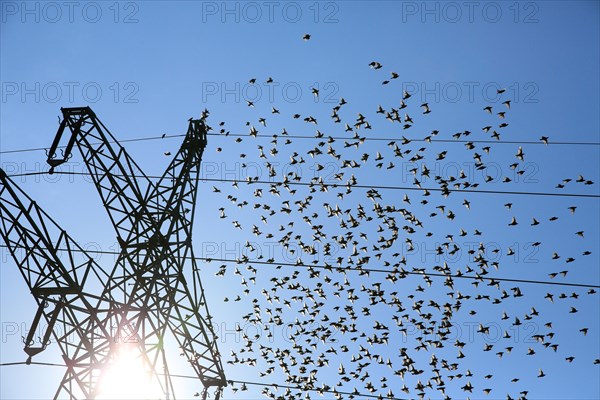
(146, 67)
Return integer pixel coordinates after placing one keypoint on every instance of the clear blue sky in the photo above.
(146, 67)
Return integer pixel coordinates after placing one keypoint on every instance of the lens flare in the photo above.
(128, 378)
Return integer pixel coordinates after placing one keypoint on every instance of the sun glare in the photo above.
(128, 378)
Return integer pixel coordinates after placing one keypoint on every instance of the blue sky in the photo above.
(146, 67)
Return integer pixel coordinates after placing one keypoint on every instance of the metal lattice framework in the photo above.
(92, 312)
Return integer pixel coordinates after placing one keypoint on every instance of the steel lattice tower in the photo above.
(146, 294)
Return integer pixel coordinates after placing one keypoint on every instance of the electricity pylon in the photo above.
(92, 312)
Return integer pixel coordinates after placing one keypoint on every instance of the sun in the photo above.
(128, 378)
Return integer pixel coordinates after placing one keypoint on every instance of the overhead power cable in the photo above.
(232, 381)
(326, 137)
(356, 269)
(335, 185)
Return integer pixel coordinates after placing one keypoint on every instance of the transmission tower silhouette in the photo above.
(93, 312)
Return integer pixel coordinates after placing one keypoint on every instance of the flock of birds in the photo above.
(356, 312)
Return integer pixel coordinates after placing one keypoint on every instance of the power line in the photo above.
(360, 395)
(337, 185)
(277, 386)
(390, 139)
(32, 363)
(435, 274)
(230, 381)
(375, 270)
(141, 139)
(273, 136)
